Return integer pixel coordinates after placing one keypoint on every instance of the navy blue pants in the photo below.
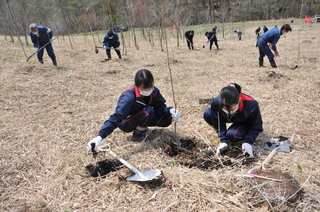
(235, 133)
(144, 118)
(49, 51)
(114, 45)
(264, 49)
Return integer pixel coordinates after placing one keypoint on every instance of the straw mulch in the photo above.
(49, 114)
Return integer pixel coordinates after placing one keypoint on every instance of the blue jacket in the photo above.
(272, 36)
(107, 42)
(130, 102)
(239, 32)
(43, 38)
(248, 114)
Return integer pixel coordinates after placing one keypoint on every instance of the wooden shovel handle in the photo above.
(127, 164)
(270, 156)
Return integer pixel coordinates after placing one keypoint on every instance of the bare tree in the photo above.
(16, 26)
(131, 21)
(224, 16)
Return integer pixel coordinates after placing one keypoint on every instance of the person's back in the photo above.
(212, 34)
(189, 34)
(272, 35)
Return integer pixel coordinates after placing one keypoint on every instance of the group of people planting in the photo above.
(142, 105)
(265, 42)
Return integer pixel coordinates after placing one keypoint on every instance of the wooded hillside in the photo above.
(76, 16)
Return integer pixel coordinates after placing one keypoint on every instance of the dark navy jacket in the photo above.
(272, 36)
(43, 38)
(257, 31)
(110, 42)
(248, 114)
(188, 35)
(212, 35)
(130, 102)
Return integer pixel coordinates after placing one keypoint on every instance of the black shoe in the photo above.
(273, 63)
(140, 138)
(54, 61)
(261, 62)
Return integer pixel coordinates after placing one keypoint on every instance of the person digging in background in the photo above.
(232, 106)
(239, 33)
(212, 37)
(111, 39)
(268, 39)
(40, 36)
(189, 37)
(265, 29)
(257, 34)
(138, 107)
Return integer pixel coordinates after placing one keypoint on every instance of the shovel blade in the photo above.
(149, 175)
(283, 143)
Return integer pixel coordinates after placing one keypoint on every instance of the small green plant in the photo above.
(300, 170)
(172, 165)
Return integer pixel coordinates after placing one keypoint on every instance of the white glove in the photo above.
(105, 47)
(247, 149)
(117, 48)
(221, 148)
(97, 140)
(175, 114)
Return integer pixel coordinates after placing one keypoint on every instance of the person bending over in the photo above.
(232, 106)
(138, 108)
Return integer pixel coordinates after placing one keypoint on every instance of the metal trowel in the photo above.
(148, 175)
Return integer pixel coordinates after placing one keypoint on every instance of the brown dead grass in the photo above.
(48, 115)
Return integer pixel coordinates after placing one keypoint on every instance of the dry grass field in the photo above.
(49, 114)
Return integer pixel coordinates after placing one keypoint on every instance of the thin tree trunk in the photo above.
(15, 24)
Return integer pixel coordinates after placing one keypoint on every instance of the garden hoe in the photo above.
(148, 175)
(278, 146)
(288, 63)
(41, 48)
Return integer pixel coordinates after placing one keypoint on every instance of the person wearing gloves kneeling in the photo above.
(232, 106)
(138, 107)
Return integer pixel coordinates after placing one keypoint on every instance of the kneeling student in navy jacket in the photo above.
(138, 107)
(232, 106)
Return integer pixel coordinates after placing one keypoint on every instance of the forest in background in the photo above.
(82, 16)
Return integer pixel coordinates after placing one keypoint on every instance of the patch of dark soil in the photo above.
(103, 167)
(113, 72)
(191, 152)
(272, 75)
(61, 68)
